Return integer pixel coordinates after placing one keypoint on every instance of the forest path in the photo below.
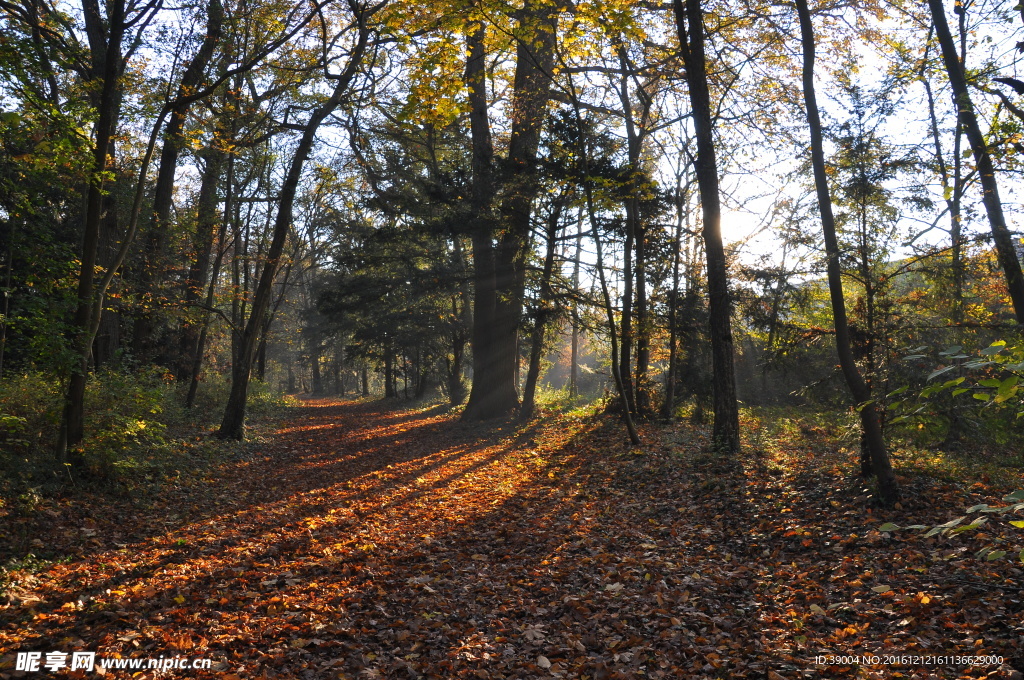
(357, 541)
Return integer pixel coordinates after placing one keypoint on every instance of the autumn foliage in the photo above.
(356, 542)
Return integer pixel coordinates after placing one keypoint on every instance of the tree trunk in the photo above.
(668, 403)
(952, 187)
(233, 424)
(643, 327)
(726, 428)
(107, 55)
(627, 416)
(542, 318)
(574, 353)
(461, 307)
(163, 194)
(870, 420)
(480, 407)
(199, 268)
(635, 329)
(314, 366)
(199, 350)
(494, 393)
(1005, 251)
(389, 371)
(626, 312)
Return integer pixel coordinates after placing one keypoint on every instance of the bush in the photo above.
(29, 419)
(979, 391)
(137, 431)
(127, 415)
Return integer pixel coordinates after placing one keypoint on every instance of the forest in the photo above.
(511, 338)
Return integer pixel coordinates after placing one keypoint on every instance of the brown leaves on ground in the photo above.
(364, 543)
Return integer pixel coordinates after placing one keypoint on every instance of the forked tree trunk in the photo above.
(869, 416)
(496, 325)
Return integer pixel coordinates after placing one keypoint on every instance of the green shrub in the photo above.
(127, 415)
(137, 431)
(980, 393)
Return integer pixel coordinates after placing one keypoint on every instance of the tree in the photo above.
(112, 42)
(192, 79)
(690, 27)
(501, 236)
(233, 424)
(1005, 250)
(870, 419)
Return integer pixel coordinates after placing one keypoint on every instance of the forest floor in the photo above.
(356, 541)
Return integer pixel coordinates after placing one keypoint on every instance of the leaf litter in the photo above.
(359, 542)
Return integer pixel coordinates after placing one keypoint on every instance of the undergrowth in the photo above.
(777, 433)
(138, 434)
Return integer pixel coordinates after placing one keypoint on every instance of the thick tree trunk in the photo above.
(869, 416)
(494, 393)
(1005, 251)
(484, 298)
(726, 428)
(107, 57)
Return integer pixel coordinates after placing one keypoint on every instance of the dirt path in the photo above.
(360, 542)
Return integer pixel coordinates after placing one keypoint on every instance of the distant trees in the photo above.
(443, 196)
(348, 44)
